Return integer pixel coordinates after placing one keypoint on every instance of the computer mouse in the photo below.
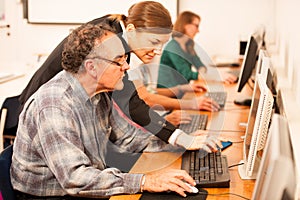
(194, 189)
(244, 102)
(235, 64)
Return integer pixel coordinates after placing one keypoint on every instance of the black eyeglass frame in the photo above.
(112, 61)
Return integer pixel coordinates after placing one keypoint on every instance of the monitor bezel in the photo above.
(260, 129)
(277, 159)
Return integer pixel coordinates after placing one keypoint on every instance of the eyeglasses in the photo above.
(119, 64)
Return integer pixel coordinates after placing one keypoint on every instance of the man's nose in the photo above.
(125, 66)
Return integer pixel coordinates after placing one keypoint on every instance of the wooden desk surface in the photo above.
(231, 117)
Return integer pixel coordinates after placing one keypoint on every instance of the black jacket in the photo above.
(127, 99)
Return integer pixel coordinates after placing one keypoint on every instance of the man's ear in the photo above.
(90, 68)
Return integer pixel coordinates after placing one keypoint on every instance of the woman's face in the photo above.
(193, 28)
(146, 45)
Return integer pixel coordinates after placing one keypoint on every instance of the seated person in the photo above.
(66, 126)
(179, 62)
(143, 75)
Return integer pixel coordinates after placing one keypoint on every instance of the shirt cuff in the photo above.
(174, 136)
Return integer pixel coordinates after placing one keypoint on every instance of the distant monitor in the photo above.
(259, 34)
(276, 177)
(248, 63)
(265, 68)
(257, 128)
(262, 63)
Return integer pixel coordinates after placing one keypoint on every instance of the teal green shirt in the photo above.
(175, 66)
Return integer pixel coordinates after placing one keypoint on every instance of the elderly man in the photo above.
(66, 126)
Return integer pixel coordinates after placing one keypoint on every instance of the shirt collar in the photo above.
(124, 33)
(79, 90)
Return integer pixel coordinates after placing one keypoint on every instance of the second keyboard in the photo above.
(219, 97)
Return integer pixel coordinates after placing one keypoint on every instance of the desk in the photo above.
(233, 115)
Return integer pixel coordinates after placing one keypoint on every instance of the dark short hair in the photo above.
(80, 43)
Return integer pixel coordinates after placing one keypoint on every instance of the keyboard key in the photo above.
(219, 97)
(198, 122)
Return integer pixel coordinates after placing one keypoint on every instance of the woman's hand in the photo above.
(197, 87)
(198, 140)
(178, 117)
(206, 103)
(192, 87)
(228, 78)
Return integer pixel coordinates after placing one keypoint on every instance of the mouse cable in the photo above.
(222, 130)
(241, 141)
(235, 165)
(231, 102)
(230, 109)
(229, 193)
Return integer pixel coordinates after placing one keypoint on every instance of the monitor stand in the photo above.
(242, 170)
(243, 101)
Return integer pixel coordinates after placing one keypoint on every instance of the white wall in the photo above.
(26, 41)
(19, 50)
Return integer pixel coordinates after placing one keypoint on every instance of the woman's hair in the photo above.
(81, 43)
(150, 16)
(183, 19)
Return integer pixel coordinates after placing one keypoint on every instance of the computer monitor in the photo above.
(247, 68)
(262, 62)
(265, 68)
(257, 128)
(276, 177)
(249, 62)
(260, 32)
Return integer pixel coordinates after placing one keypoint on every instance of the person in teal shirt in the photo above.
(179, 62)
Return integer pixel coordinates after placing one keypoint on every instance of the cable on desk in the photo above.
(241, 141)
(242, 108)
(229, 193)
(235, 165)
(229, 102)
(212, 130)
(232, 102)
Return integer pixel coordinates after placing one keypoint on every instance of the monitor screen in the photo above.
(257, 128)
(248, 63)
(276, 176)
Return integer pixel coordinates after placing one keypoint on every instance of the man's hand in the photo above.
(168, 180)
(178, 117)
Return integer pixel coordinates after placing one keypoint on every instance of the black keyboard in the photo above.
(198, 122)
(210, 170)
(219, 97)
